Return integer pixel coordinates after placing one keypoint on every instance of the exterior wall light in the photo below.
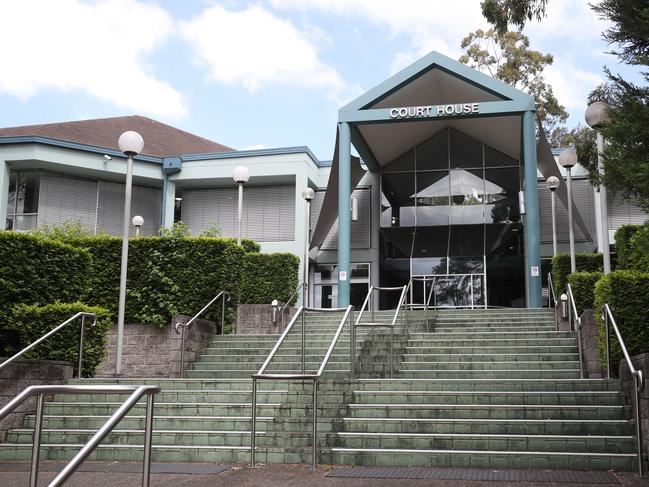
(553, 184)
(568, 159)
(137, 221)
(241, 175)
(308, 194)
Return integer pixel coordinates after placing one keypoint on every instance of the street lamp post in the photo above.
(241, 175)
(308, 194)
(596, 116)
(131, 144)
(568, 158)
(553, 184)
(138, 221)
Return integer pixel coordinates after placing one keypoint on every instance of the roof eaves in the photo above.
(252, 153)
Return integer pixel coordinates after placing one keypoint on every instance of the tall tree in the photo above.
(626, 155)
(505, 13)
(508, 57)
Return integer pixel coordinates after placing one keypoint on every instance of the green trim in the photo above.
(344, 217)
(367, 156)
(435, 60)
(532, 219)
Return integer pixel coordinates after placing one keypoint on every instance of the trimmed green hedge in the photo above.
(561, 268)
(166, 275)
(38, 271)
(623, 245)
(627, 294)
(583, 289)
(32, 322)
(638, 258)
(269, 276)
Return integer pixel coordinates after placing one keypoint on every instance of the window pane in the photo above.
(11, 200)
(28, 186)
(465, 151)
(25, 222)
(433, 154)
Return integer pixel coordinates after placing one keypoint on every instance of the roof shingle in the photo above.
(160, 140)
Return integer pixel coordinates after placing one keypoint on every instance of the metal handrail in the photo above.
(80, 314)
(260, 375)
(575, 323)
(136, 393)
(184, 326)
(373, 323)
(638, 381)
(553, 296)
(288, 302)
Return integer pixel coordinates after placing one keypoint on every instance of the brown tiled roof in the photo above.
(159, 139)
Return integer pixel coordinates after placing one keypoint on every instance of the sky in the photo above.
(254, 74)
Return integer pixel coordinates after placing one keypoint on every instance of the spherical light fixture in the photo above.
(241, 174)
(130, 143)
(138, 221)
(308, 194)
(553, 183)
(568, 158)
(597, 114)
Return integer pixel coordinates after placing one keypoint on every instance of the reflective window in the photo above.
(22, 202)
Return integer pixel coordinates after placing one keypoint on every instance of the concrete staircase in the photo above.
(481, 388)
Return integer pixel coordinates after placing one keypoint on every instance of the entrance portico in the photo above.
(448, 143)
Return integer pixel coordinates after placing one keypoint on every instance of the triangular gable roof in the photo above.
(436, 61)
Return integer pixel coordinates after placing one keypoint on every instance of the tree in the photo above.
(626, 155)
(508, 57)
(503, 13)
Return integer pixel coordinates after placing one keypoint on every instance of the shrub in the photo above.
(583, 289)
(167, 275)
(32, 322)
(623, 237)
(627, 294)
(38, 271)
(250, 245)
(639, 252)
(561, 268)
(269, 276)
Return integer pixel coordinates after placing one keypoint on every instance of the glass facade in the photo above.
(324, 281)
(449, 214)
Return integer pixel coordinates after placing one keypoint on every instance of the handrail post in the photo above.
(303, 344)
(36, 446)
(638, 423)
(148, 434)
(223, 315)
(182, 353)
(81, 333)
(608, 345)
(314, 456)
(581, 359)
(352, 348)
(253, 425)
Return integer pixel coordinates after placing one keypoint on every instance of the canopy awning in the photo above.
(329, 211)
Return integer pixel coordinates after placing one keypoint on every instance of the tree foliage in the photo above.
(508, 58)
(505, 13)
(626, 158)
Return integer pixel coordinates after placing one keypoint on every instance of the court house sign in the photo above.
(435, 110)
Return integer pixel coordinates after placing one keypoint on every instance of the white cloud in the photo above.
(254, 147)
(96, 47)
(429, 25)
(254, 48)
(571, 86)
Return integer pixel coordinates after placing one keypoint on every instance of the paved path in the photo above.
(276, 476)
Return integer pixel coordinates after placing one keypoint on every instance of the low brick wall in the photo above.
(19, 375)
(590, 346)
(149, 351)
(257, 319)
(640, 362)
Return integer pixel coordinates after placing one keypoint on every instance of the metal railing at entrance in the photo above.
(41, 391)
(83, 315)
(575, 325)
(182, 327)
(401, 309)
(638, 382)
(348, 313)
(288, 302)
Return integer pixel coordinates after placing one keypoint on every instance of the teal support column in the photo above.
(532, 221)
(344, 216)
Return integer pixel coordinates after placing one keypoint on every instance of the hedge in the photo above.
(269, 276)
(166, 275)
(32, 322)
(627, 294)
(38, 271)
(561, 268)
(638, 259)
(623, 245)
(583, 289)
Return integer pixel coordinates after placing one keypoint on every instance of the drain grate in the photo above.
(124, 467)
(475, 474)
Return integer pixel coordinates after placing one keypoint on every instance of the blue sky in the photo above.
(252, 74)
